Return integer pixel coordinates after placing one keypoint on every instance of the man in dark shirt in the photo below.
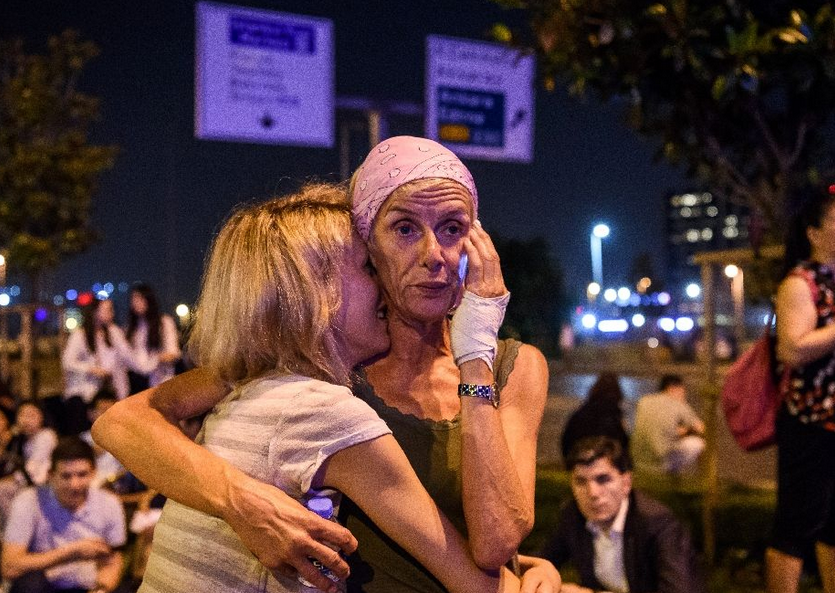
(619, 540)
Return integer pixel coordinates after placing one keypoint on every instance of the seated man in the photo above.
(619, 540)
(667, 437)
(63, 536)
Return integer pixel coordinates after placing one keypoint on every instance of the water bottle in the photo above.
(322, 506)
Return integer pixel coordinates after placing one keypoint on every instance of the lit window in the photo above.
(712, 211)
(692, 236)
(730, 232)
(686, 212)
(731, 220)
(707, 234)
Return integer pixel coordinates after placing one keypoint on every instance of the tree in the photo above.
(740, 92)
(48, 168)
(538, 302)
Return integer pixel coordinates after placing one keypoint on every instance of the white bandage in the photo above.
(474, 329)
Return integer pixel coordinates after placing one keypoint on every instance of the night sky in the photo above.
(168, 192)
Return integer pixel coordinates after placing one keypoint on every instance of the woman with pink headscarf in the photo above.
(464, 406)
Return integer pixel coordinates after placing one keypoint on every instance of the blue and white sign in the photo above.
(480, 99)
(263, 76)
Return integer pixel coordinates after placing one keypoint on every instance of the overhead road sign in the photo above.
(480, 99)
(263, 76)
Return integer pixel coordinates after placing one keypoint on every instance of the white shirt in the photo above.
(145, 361)
(78, 363)
(608, 552)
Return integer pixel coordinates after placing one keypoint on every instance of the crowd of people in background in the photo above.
(62, 497)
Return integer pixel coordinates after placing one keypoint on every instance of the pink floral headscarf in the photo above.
(395, 162)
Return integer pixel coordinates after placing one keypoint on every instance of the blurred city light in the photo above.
(684, 324)
(693, 290)
(71, 294)
(182, 310)
(102, 295)
(5, 300)
(652, 342)
(58, 300)
(610, 295)
(41, 314)
(731, 271)
(638, 320)
(123, 286)
(593, 289)
(14, 290)
(588, 321)
(71, 323)
(613, 325)
(109, 287)
(601, 231)
(663, 298)
(668, 324)
(97, 287)
(2, 260)
(624, 293)
(643, 284)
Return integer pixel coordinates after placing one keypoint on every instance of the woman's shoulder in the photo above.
(521, 358)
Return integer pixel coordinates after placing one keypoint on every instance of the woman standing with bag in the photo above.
(806, 422)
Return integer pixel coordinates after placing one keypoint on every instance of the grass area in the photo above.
(742, 524)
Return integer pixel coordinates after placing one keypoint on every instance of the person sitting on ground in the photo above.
(35, 443)
(108, 468)
(65, 536)
(600, 415)
(618, 539)
(668, 433)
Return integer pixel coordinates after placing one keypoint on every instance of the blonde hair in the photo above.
(271, 289)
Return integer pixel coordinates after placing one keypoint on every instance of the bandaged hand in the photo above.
(475, 327)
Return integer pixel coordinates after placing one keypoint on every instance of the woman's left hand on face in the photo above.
(484, 275)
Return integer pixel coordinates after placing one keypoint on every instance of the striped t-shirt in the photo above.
(278, 431)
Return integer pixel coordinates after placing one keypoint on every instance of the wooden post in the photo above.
(709, 393)
(27, 349)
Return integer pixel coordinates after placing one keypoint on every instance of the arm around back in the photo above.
(141, 431)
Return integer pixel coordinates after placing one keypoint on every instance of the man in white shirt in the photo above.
(668, 433)
(64, 536)
(619, 540)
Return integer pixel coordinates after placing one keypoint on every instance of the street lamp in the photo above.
(598, 233)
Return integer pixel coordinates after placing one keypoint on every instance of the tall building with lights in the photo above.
(700, 221)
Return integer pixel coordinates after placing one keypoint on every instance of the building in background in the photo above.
(696, 222)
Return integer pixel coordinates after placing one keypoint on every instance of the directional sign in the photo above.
(263, 76)
(480, 99)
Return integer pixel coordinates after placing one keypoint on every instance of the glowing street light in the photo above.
(731, 271)
(693, 290)
(598, 233)
(593, 289)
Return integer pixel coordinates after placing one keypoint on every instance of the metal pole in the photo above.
(596, 258)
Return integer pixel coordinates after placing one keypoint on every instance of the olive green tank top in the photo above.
(434, 450)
